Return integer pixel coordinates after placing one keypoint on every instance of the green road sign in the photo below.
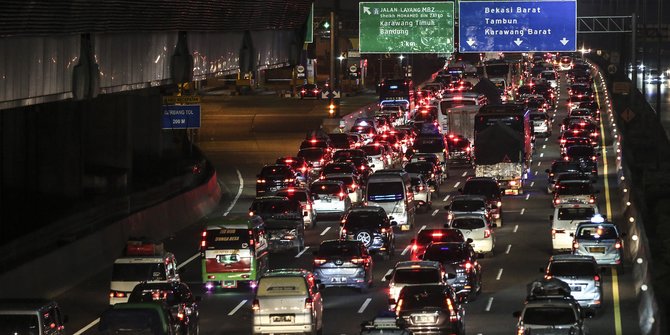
(309, 34)
(406, 27)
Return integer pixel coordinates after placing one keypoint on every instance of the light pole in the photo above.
(402, 70)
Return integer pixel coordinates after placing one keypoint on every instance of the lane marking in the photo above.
(615, 298)
(403, 253)
(386, 274)
(488, 305)
(544, 146)
(541, 154)
(237, 307)
(325, 231)
(499, 274)
(532, 183)
(457, 183)
(446, 198)
(464, 174)
(539, 163)
(422, 228)
(509, 247)
(536, 173)
(516, 227)
(527, 196)
(87, 327)
(435, 212)
(522, 211)
(365, 305)
(546, 139)
(237, 196)
(302, 252)
(181, 265)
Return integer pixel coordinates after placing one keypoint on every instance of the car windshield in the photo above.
(467, 223)
(339, 249)
(573, 188)
(565, 167)
(584, 213)
(485, 188)
(468, 205)
(275, 171)
(547, 316)
(19, 324)
(580, 269)
(325, 189)
(445, 254)
(357, 220)
(427, 236)
(372, 150)
(417, 297)
(299, 196)
(311, 154)
(385, 191)
(347, 181)
(136, 272)
(281, 286)
(419, 167)
(274, 206)
(429, 144)
(580, 151)
(417, 276)
(597, 233)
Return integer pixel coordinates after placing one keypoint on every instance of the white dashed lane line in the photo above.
(422, 228)
(509, 247)
(464, 174)
(302, 252)
(539, 163)
(499, 274)
(523, 210)
(365, 305)
(488, 305)
(447, 197)
(541, 154)
(386, 274)
(544, 146)
(516, 227)
(237, 307)
(527, 196)
(536, 173)
(435, 212)
(457, 183)
(325, 231)
(532, 183)
(404, 252)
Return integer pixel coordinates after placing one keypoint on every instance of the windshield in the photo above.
(535, 103)
(549, 316)
(138, 272)
(275, 171)
(580, 269)
(573, 188)
(576, 213)
(467, 223)
(429, 145)
(418, 297)
(338, 168)
(348, 154)
(487, 189)
(427, 236)
(325, 189)
(468, 205)
(19, 324)
(385, 191)
(372, 150)
(311, 154)
(274, 206)
(363, 219)
(565, 167)
(445, 254)
(446, 104)
(417, 276)
(597, 233)
(339, 249)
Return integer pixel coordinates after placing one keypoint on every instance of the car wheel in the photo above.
(365, 237)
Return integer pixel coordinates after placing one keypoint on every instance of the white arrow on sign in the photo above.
(470, 41)
(564, 41)
(366, 10)
(517, 41)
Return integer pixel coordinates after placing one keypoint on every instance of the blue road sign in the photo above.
(517, 26)
(181, 116)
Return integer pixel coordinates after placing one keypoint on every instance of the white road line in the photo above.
(544, 146)
(522, 211)
(541, 154)
(403, 253)
(539, 163)
(237, 307)
(536, 173)
(237, 196)
(446, 198)
(87, 327)
(386, 274)
(488, 305)
(516, 227)
(499, 274)
(532, 183)
(365, 305)
(325, 231)
(509, 247)
(464, 174)
(422, 228)
(457, 183)
(302, 252)
(435, 212)
(546, 139)
(181, 265)
(527, 196)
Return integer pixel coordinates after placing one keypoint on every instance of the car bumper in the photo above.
(401, 218)
(483, 246)
(604, 259)
(273, 329)
(358, 279)
(332, 208)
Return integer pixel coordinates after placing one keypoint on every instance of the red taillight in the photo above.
(255, 305)
(415, 247)
(592, 200)
(557, 201)
(617, 244)
(453, 317)
(309, 303)
(319, 261)
(487, 233)
(302, 91)
(468, 266)
(575, 245)
(260, 181)
(594, 157)
(359, 261)
(398, 305)
(180, 316)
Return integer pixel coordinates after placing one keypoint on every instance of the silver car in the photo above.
(580, 272)
(343, 263)
(422, 194)
(603, 241)
(467, 204)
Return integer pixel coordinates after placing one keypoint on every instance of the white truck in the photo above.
(459, 120)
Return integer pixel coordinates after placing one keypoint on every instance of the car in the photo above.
(560, 166)
(363, 167)
(317, 143)
(564, 223)
(461, 259)
(273, 177)
(330, 197)
(139, 318)
(602, 240)
(385, 322)
(371, 226)
(341, 141)
(432, 158)
(489, 188)
(567, 142)
(339, 168)
(551, 77)
(552, 314)
(304, 197)
(427, 236)
(431, 309)
(477, 228)
(430, 172)
(343, 263)
(299, 165)
(460, 150)
(352, 183)
(574, 101)
(541, 123)
(580, 272)
(422, 194)
(310, 91)
(377, 156)
(269, 207)
(574, 191)
(565, 63)
(585, 113)
(468, 204)
(179, 299)
(408, 273)
(287, 301)
(315, 157)
(31, 316)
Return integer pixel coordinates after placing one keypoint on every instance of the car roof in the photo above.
(421, 264)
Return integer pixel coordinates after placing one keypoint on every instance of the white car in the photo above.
(330, 197)
(477, 228)
(287, 301)
(352, 184)
(377, 156)
(564, 223)
(422, 193)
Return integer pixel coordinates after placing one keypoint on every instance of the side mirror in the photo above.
(350, 190)
(310, 165)
(572, 234)
(389, 276)
(317, 281)
(516, 314)
(469, 240)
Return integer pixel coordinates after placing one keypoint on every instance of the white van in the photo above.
(392, 190)
(564, 223)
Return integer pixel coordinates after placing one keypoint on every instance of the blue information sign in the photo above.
(181, 116)
(517, 26)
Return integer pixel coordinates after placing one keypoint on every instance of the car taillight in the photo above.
(319, 261)
(453, 317)
(566, 158)
(557, 201)
(596, 278)
(575, 245)
(499, 204)
(467, 266)
(117, 294)
(398, 306)
(594, 157)
(617, 244)
(344, 232)
(487, 233)
(342, 195)
(255, 305)
(180, 316)
(415, 247)
(260, 181)
(302, 91)
(309, 303)
(592, 200)
(308, 206)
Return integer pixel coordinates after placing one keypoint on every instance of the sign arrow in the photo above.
(517, 41)
(470, 41)
(366, 10)
(564, 41)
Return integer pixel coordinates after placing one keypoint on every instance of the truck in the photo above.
(503, 146)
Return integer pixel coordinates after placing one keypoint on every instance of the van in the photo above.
(35, 317)
(143, 261)
(233, 251)
(460, 99)
(564, 223)
(392, 190)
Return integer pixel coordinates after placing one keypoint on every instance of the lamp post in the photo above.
(400, 58)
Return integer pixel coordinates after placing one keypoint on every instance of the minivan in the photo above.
(392, 190)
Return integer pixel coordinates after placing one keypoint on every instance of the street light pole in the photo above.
(658, 83)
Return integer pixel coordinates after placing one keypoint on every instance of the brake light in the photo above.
(468, 266)
(384, 230)
(499, 203)
(342, 195)
(309, 303)
(468, 149)
(594, 157)
(302, 91)
(617, 244)
(415, 247)
(117, 294)
(398, 305)
(288, 180)
(557, 201)
(180, 316)
(359, 261)
(260, 181)
(487, 233)
(251, 213)
(575, 245)
(453, 317)
(255, 305)
(319, 261)
(592, 200)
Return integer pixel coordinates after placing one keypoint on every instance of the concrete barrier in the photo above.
(55, 273)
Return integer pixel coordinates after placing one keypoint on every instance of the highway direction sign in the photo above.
(517, 26)
(181, 117)
(406, 27)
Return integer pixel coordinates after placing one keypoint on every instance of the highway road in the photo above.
(523, 242)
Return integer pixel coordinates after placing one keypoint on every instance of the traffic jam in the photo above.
(419, 190)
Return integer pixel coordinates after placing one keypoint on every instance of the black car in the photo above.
(343, 263)
(489, 188)
(310, 90)
(561, 166)
(461, 259)
(460, 150)
(429, 171)
(339, 167)
(430, 309)
(273, 177)
(371, 226)
(298, 164)
(341, 141)
(275, 207)
(584, 154)
(362, 165)
(179, 299)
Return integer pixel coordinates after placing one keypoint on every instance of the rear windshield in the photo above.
(275, 171)
(538, 117)
(363, 219)
(417, 276)
(372, 150)
(325, 189)
(416, 297)
(565, 167)
(298, 196)
(549, 316)
(385, 191)
(311, 154)
(487, 189)
(467, 223)
(227, 238)
(347, 181)
(579, 151)
(138, 272)
(429, 144)
(576, 213)
(274, 206)
(597, 233)
(427, 236)
(339, 249)
(19, 324)
(581, 269)
(348, 154)
(419, 167)
(573, 188)
(468, 205)
(281, 286)
(445, 254)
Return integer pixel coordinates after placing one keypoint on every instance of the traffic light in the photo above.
(332, 109)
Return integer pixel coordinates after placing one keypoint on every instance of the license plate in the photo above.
(273, 189)
(600, 250)
(424, 318)
(282, 318)
(575, 288)
(229, 283)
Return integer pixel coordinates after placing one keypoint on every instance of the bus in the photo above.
(397, 92)
(233, 251)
